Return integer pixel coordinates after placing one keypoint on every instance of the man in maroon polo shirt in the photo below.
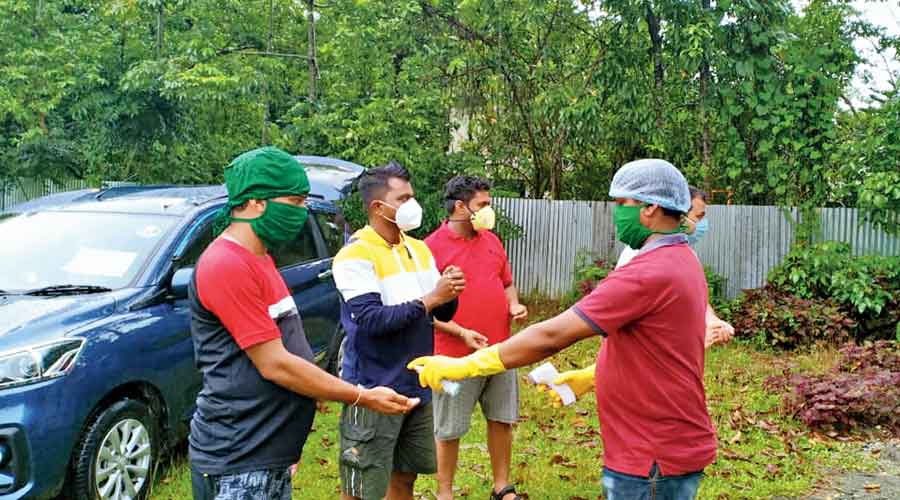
(483, 316)
(657, 433)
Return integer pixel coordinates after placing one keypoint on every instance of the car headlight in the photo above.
(40, 362)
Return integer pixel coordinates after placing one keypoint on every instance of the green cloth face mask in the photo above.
(261, 174)
(629, 229)
(279, 223)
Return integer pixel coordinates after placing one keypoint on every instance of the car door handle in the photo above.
(324, 275)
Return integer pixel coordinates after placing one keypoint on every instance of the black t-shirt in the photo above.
(243, 422)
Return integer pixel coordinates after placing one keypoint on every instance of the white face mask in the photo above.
(409, 215)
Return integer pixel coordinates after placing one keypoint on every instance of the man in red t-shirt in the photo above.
(256, 407)
(657, 434)
(482, 318)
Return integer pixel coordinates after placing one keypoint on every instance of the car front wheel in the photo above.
(117, 454)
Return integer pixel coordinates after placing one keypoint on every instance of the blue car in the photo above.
(97, 375)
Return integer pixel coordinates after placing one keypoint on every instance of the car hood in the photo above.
(33, 320)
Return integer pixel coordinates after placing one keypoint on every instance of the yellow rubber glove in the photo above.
(433, 369)
(581, 382)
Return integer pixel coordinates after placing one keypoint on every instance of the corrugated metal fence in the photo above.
(743, 244)
(13, 191)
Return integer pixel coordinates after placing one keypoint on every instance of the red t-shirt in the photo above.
(245, 291)
(483, 306)
(650, 395)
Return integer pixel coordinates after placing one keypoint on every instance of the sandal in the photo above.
(498, 495)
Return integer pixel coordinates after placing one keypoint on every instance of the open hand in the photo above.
(473, 339)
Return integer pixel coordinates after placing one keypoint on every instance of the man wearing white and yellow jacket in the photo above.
(391, 290)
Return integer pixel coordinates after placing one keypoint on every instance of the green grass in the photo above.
(558, 452)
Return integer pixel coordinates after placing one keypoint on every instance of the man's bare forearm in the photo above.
(512, 294)
(544, 339)
(450, 327)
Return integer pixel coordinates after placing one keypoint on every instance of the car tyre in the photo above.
(117, 455)
(336, 352)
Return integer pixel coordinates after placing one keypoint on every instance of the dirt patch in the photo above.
(881, 484)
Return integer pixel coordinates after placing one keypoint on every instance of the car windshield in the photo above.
(84, 249)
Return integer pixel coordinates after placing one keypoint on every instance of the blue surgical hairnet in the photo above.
(652, 181)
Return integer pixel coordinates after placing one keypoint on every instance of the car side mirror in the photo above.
(180, 281)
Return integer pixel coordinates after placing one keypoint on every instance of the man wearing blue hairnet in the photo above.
(657, 433)
(695, 225)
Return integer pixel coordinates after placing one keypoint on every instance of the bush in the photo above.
(863, 390)
(772, 317)
(806, 271)
(588, 273)
(716, 284)
(867, 287)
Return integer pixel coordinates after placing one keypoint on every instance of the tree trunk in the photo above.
(265, 97)
(706, 147)
(659, 73)
(311, 51)
(556, 179)
(122, 41)
(160, 11)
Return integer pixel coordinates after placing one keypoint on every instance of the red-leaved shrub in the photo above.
(863, 390)
(780, 319)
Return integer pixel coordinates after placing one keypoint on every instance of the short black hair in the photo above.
(373, 183)
(463, 188)
(697, 193)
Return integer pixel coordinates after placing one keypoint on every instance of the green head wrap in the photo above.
(260, 174)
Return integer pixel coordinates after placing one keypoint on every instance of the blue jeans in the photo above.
(618, 486)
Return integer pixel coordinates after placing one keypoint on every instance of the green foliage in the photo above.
(866, 173)
(880, 194)
(807, 271)
(546, 98)
(867, 287)
(716, 284)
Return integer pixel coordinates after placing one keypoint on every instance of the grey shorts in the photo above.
(373, 446)
(498, 396)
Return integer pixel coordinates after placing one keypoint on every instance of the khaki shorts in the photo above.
(373, 446)
(498, 396)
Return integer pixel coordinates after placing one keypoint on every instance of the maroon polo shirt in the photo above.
(650, 396)
(483, 306)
